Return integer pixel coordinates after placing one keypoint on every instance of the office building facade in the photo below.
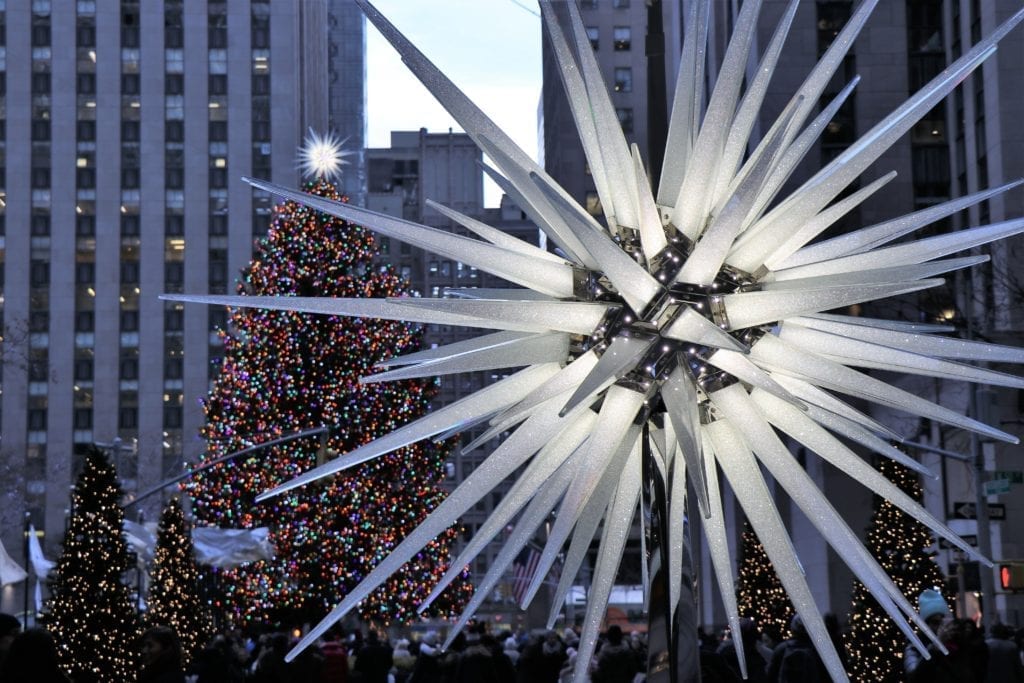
(126, 129)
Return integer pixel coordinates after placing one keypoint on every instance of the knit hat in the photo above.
(931, 603)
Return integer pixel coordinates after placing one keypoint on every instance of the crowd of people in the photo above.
(961, 654)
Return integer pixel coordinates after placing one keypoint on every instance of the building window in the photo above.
(621, 38)
(594, 34)
(83, 418)
(128, 418)
(129, 131)
(129, 321)
(37, 420)
(39, 321)
(174, 320)
(620, 4)
(174, 225)
(40, 130)
(129, 368)
(625, 115)
(172, 417)
(83, 370)
(85, 130)
(623, 79)
(174, 275)
(217, 85)
(173, 368)
(129, 272)
(84, 321)
(40, 224)
(85, 225)
(39, 273)
(41, 83)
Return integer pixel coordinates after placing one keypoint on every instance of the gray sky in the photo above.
(489, 48)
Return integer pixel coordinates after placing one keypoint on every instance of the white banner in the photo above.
(226, 548)
(10, 571)
(41, 566)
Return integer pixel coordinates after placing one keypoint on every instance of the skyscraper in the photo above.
(126, 129)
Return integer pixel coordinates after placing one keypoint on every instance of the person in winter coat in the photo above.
(1004, 665)
(616, 662)
(428, 662)
(749, 635)
(161, 656)
(797, 660)
(954, 667)
(374, 660)
(335, 669)
(403, 660)
(32, 658)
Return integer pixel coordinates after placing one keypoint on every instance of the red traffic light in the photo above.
(1011, 576)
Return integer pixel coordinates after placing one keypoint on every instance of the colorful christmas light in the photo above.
(284, 372)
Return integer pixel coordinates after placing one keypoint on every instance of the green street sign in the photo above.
(1012, 476)
(997, 486)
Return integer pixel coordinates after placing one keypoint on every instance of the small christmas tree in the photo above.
(173, 588)
(284, 372)
(759, 593)
(902, 547)
(90, 611)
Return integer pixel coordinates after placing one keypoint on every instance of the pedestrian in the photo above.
(428, 661)
(749, 636)
(954, 667)
(32, 658)
(512, 649)
(161, 656)
(797, 660)
(616, 662)
(552, 656)
(270, 666)
(476, 665)
(9, 629)
(404, 662)
(1004, 665)
(374, 660)
(335, 669)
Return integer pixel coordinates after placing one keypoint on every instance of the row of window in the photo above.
(622, 37)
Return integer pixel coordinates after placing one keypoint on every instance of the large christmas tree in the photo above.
(759, 593)
(173, 588)
(284, 372)
(90, 611)
(902, 547)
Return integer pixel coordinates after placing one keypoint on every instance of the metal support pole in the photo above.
(988, 583)
(657, 92)
(671, 637)
(28, 564)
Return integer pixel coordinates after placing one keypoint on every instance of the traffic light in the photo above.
(1011, 576)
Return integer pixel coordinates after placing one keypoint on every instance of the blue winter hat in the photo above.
(931, 603)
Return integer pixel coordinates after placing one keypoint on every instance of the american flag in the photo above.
(523, 570)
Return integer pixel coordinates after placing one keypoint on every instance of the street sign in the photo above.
(997, 486)
(1013, 476)
(970, 539)
(967, 510)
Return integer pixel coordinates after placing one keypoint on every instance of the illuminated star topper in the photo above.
(692, 328)
(322, 156)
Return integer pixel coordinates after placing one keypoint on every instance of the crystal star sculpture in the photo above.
(691, 329)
